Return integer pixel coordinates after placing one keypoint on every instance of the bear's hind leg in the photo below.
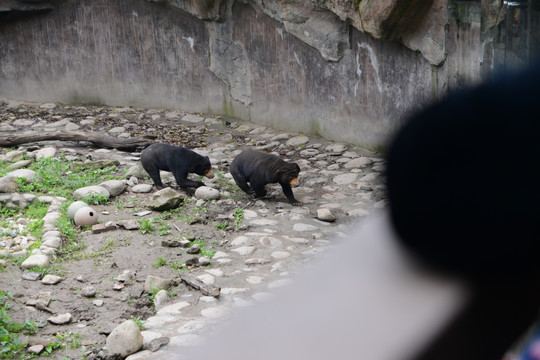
(242, 183)
(154, 174)
(260, 191)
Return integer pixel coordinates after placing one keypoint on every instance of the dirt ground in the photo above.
(108, 254)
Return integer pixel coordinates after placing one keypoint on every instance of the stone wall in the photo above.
(233, 59)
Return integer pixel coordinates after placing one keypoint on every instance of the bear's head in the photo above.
(204, 167)
(289, 174)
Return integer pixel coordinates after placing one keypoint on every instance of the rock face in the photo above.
(325, 67)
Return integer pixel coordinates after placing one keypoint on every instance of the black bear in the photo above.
(260, 168)
(176, 159)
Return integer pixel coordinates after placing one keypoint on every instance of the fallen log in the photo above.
(208, 290)
(96, 138)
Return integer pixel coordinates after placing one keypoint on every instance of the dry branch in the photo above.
(98, 139)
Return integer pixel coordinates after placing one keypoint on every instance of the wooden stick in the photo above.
(96, 138)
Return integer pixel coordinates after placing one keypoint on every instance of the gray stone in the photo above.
(207, 193)
(297, 141)
(52, 233)
(155, 344)
(358, 163)
(244, 250)
(31, 275)
(97, 303)
(358, 212)
(325, 215)
(52, 242)
(153, 283)
(173, 309)
(42, 298)
(257, 261)
(48, 106)
(35, 260)
(5, 128)
(160, 298)
(8, 184)
(90, 190)
(345, 179)
(165, 199)
(15, 155)
(117, 130)
(193, 249)
(130, 224)
(71, 127)
(23, 122)
(51, 218)
(204, 261)
(280, 254)
(369, 177)
(193, 119)
(29, 176)
(88, 291)
(46, 153)
(61, 319)
(51, 279)
(35, 349)
(20, 164)
(115, 187)
(336, 148)
(125, 339)
(137, 171)
(142, 188)
(304, 227)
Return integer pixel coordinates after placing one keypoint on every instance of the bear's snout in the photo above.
(209, 174)
(295, 182)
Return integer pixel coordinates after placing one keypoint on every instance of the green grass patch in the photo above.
(159, 263)
(11, 346)
(147, 226)
(203, 250)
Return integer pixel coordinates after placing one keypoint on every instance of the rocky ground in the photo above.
(249, 247)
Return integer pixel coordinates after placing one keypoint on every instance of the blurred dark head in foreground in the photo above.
(464, 180)
(464, 188)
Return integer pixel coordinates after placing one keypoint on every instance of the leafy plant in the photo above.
(73, 339)
(222, 225)
(159, 263)
(176, 265)
(238, 217)
(146, 226)
(95, 199)
(152, 293)
(139, 322)
(36, 210)
(164, 229)
(203, 250)
(35, 228)
(43, 271)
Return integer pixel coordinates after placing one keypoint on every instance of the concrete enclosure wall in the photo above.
(140, 53)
